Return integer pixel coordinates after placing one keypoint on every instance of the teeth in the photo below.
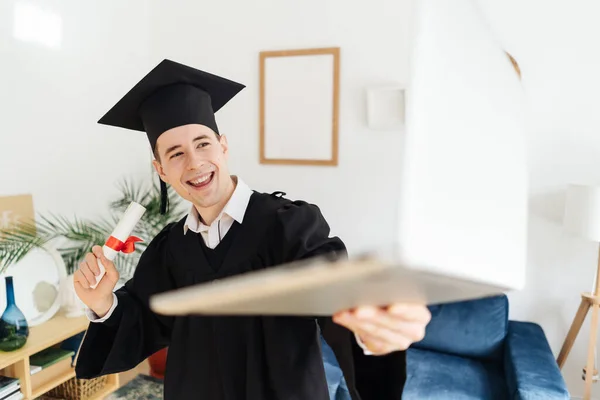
(200, 180)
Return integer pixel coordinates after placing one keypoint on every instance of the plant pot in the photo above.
(14, 329)
(158, 363)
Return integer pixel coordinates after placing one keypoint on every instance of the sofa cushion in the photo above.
(432, 375)
(474, 328)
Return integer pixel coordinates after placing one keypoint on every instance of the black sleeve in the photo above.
(132, 332)
(305, 233)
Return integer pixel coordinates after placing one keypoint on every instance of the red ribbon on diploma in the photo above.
(128, 246)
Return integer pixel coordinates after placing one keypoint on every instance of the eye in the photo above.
(176, 155)
(203, 144)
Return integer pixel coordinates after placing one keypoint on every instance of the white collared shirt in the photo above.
(234, 211)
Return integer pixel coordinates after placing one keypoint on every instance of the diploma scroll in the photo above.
(120, 239)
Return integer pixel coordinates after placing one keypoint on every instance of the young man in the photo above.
(230, 230)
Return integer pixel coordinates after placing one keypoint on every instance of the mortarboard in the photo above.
(171, 95)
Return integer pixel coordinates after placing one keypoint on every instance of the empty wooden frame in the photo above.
(299, 106)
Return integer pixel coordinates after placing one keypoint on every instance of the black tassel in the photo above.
(164, 197)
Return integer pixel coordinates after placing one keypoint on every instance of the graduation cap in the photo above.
(171, 95)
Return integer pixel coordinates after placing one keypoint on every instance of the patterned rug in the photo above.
(142, 387)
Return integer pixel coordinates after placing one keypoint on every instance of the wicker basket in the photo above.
(79, 389)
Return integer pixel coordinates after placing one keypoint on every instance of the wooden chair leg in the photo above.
(584, 307)
(589, 373)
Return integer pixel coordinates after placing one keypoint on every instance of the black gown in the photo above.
(227, 357)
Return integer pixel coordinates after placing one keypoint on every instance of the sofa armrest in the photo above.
(530, 368)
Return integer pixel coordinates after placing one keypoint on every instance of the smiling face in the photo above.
(193, 160)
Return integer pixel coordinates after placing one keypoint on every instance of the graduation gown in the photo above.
(231, 357)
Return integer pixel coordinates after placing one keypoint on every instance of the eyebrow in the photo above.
(197, 138)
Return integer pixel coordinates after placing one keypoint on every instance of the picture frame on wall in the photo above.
(299, 106)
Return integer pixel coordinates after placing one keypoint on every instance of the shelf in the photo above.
(48, 334)
(45, 335)
(53, 383)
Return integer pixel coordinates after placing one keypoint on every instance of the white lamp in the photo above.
(582, 218)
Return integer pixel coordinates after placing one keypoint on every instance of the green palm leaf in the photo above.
(78, 236)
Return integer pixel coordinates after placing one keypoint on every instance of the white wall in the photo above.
(54, 96)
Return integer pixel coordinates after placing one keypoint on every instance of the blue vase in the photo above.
(13, 325)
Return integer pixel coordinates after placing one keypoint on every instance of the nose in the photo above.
(195, 161)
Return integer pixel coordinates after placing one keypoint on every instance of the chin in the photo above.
(205, 203)
(205, 200)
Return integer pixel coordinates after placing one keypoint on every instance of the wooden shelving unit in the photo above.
(54, 331)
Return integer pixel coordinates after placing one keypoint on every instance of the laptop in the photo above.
(462, 230)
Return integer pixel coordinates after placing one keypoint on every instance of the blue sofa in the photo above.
(471, 350)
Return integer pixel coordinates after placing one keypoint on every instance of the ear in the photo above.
(159, 170)
(224, 144)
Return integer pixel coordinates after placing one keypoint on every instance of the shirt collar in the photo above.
(235, 208)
